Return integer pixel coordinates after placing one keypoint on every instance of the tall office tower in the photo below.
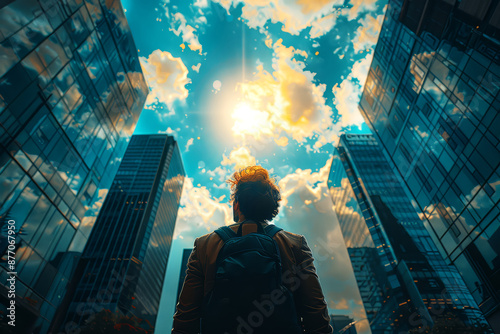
(340, 322)
(403, 280)
(182, 275)
(431, 98)
(71, 91)
(123, 265)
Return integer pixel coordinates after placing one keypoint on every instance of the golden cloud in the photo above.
(284, 102)
(166, 77)
(295, 15)
(367, 33)
(240, 158)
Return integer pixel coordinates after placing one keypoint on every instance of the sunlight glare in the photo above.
(249, 121)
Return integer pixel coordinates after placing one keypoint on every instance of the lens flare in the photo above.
(250, 121)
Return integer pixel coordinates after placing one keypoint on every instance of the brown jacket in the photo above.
(299, 276)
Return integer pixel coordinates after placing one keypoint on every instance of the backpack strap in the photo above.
(225, 233)
(272, 229)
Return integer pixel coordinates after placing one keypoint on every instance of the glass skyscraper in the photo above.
(432, 100)
(71, 92)
(402, 278)
(124, 263)
(182, 275)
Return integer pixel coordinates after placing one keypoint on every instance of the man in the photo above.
(255, 198)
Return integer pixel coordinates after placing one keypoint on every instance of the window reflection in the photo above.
(67, 144)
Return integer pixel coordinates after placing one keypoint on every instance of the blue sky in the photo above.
(274, 83)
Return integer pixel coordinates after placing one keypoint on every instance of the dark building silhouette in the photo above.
(402, 278)
(182, 275)
(432, 99)
(340, 322)
(71, 92)
(124, 263)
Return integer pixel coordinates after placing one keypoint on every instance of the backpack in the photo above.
(248, 295)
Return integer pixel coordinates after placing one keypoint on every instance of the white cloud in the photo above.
(307, 209)
(170, 131)
(346, 101)
(196, 68)
(180, 27)
(298, 15)
(188, 144)
(360, 6)
(199, 212)
(295, 15)
(201, 3)
(166, 77)
(323, 25)
(218, 173)
(347, 94)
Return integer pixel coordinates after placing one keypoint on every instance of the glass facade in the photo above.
(71, 92)
(402, 278)
(432, 99)
(182, 275)
(124, 263)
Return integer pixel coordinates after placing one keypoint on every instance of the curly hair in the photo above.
(256, 192)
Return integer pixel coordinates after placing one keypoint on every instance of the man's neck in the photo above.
(251, 220)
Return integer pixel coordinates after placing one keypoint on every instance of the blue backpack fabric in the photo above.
(248, 295)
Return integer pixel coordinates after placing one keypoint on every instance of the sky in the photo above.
(267, 82)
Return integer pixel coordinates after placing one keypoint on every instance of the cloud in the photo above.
(284, 102)
(170, 131)
(199, 213)
(188, 144)
(295, 15)
(323, 25)
(196, 68)
(180, 27)
(218, 173)
(347, 94)
(166, 77)
(346, 101)
(366, 35)
(283, 141)
(307, 209)
(240, 158)
(201, 3)
(360, 6)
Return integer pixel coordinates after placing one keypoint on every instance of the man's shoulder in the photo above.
(293, 238)
(204, 237)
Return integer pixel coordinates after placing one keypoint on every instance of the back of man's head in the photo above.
(256, 193)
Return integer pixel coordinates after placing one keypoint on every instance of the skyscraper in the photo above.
(123, 265)
(71, 92)
(182, 275)
(403, 280)
(432, 99)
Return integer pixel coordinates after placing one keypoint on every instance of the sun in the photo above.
(249, 121)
